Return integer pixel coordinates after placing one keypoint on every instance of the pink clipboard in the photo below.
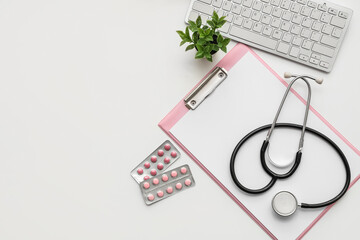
(180, 110)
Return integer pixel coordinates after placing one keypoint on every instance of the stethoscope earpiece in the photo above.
(284, 203)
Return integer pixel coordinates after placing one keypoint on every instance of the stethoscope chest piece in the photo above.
(284, 203)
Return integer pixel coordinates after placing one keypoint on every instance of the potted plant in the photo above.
(205, 38)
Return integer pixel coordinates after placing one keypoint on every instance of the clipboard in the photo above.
(230, 101)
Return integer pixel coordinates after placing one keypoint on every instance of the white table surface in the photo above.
(83, 85)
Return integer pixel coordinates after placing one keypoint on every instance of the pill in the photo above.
(167, 147)
(169, 190)
(161, 153)
(173, 173)
(166, 160)
(153, 172)
(146, 177)
(173, 154)
(183, 170)
(155, 181)
(160, 193)
(147, 165)
(140, 171)
(178, 186)
(146, 185)
(153, 159)
(165, 178)
(187, 182)
(150, 197)
(160, 166)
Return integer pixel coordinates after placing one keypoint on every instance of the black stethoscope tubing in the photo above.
(275, 176)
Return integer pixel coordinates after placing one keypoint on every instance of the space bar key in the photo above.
(253, 37)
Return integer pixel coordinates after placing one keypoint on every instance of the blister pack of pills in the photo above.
(157, 162)
(167, 184)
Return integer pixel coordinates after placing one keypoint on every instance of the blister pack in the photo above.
(169, 183)
(157, 162)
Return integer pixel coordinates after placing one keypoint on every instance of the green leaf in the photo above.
(226, 42)
(191, 46)
(209, 57)
(200, 48)
(199, 54)
(211, 23)
(181, 34)
(215, 16)
(195, 37)
(198, 22)
(224, 49)
(201, 41)
(182, 42)
(187, 33)
(209, 38)
(193, 27)
(220, 38)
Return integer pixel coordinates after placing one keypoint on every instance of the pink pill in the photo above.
(187, 182)
(160, 193)
(150, 197)
(167, 147)
(140, 171)
(178, 186)
(183, 170)
(146, 185)
(147, 165)
(173, 173)
(169, 190)
(153, 159)
(161, 153)
(160, 166)
(146, 177)
(155, 181)
(153, 172)
(165, 178)
(166, 160)
(173, 154)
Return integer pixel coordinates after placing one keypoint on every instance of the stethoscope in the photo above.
(285, 203)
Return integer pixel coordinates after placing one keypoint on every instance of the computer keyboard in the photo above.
(307, 32)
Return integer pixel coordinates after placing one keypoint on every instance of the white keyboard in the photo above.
(307, 32)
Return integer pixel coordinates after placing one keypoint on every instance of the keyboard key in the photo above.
(266, 19)
(283, 48)
(297, 41)
(336, 32)
(327, 29)
(304, 57)
(237, 1)
(277, 12)
(203, 8)
(323, 50)
(227, 5)
(295, 7)
(247, 3)
(294, 52)
(267, 31)
(302, 2)
(267, 9)
(322, 7)
(332, 11)
(287, 37)
(257, 27)
(256, 16)
(193, 16)
(343, 14)
(285, 4)
(315, 14)
(225, 28)
(228, 17)
(247, 23)
(295, 29)
(257, 6)
(277, 34)
(206, 1)
(338, 22)
(305, 11)
(316, 56)
(275, 2)
(307, 22)
(217, 3)
(305, 33)
(315, 36)
(246, 12)
(317, 26)
(297, 19)
(236, 9)
(253, 37)
(325, 18)
(285, 26)
(307, 44)
(312, 4)
(314, 61)
(275, 22)
(286, 16)
(324, 64)
(330, 41)
(238, 20)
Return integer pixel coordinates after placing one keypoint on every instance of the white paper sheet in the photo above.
(247, 99)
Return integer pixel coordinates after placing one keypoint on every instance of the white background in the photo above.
(83, 85)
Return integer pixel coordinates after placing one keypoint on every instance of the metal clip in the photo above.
(205, 88)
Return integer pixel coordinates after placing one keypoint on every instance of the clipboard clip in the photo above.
(205, 88)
